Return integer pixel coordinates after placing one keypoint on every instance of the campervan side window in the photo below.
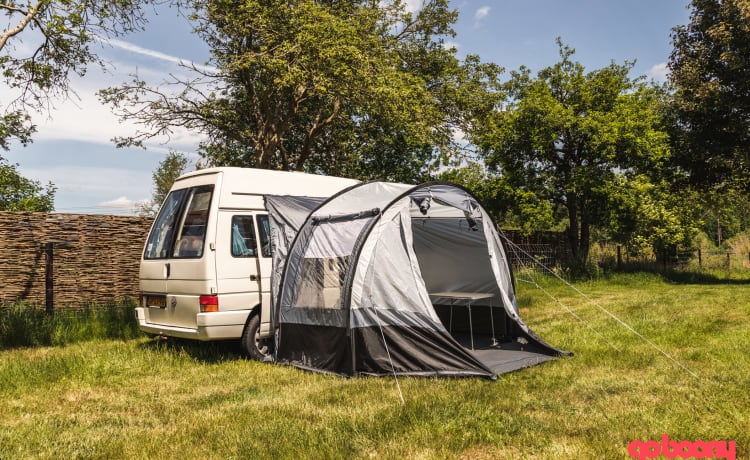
(180, 228)
(264, 232)
(243, 237)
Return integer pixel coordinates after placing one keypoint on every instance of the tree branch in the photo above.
(29, 15)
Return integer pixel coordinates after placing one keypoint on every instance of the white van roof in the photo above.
(242, 186)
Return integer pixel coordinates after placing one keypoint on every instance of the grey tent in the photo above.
(386, 279)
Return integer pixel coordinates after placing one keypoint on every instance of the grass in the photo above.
(141, 398)
(23, 325)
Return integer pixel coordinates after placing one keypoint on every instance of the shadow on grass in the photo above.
(670, 275)
(690, 277)
(206, 352)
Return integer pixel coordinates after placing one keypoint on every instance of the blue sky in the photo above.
(72, 148)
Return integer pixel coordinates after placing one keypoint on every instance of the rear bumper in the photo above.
(209, 326)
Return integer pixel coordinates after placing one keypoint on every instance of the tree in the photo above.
(512, 208)
(47, 41)
(18, 193)
(645, 214)
(710, 70)
(566, 135)
(170, 168)
(357, 88)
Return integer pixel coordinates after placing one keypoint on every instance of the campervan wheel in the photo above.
(253, 346)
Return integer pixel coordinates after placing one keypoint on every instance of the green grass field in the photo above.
(140, 398)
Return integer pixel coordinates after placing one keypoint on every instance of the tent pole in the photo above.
(493, 343)
(388, 353)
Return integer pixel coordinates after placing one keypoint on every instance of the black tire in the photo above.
(253, 346)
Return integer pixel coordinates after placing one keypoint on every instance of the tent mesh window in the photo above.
(322, 287)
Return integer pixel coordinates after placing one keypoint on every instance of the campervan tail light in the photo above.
(209, 303)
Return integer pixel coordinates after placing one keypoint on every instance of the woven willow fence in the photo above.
(95, 259)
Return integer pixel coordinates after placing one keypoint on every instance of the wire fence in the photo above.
(543, 256)
(534, 255)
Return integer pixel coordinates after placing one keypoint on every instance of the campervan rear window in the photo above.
(180, 228)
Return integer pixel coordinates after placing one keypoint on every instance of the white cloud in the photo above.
(481, 13)
(93, 179)
(83, 117)
(659, 72)
(413, 5)
(120, 203)
(135, 49)
(450, 44)
(459, 136)
(92, 189)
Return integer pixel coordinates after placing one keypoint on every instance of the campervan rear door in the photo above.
(179, 263)
(193, 263)
(155, 264)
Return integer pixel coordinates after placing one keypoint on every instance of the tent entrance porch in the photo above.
(482, 326)
(489, 337)
(455, 264)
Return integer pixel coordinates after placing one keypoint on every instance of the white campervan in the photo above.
(205, 269)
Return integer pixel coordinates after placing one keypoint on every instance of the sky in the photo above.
(73, 148)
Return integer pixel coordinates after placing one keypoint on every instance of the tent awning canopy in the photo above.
(391, 278)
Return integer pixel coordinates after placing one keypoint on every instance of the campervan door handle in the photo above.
(167, 270)
(253, 278)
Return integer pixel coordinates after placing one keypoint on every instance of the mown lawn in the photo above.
(139, 398)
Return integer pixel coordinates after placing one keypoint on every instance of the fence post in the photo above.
(700, 258)
(728, 260)
(619, 257)
(49, 278)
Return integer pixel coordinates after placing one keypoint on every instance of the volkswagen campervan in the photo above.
(206, 265)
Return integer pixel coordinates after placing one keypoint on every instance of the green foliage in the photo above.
(740, 246)
(28, 325)
(726, 213)
(647, 216)
(18, 193)
(512, 208)
(354, 88)
(169, 170)
(565, 136)
(47, 41)
(710, 70)
(15, 125)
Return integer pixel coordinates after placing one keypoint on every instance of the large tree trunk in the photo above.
(584, 243)
(579, 231)
(571, 203)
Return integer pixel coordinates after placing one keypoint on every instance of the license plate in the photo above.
(159, 301)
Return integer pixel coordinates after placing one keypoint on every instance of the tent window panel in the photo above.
(322, 285)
